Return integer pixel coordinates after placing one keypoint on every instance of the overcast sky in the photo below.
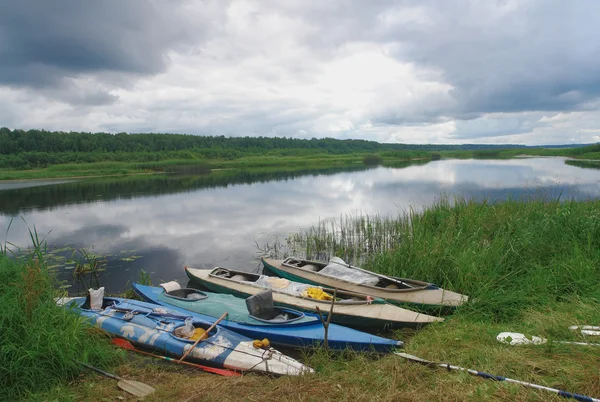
(414, 71)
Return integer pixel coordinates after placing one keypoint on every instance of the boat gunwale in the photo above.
(196, 323)
(311, 318)
(364, 302)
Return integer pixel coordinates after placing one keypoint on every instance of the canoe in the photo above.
(299, 330)
(350, 309)
(151, 328)
(337, 274)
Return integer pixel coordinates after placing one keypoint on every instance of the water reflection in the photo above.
(219, 219)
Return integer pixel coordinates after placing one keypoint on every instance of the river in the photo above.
(162, 223)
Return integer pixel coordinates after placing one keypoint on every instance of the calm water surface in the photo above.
(161, 224)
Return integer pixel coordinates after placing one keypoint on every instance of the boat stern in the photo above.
(268, 361)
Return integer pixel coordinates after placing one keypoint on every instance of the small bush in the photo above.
(372, 160)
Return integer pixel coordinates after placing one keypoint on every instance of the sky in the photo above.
(404, 71)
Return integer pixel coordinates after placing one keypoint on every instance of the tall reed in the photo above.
(508, 256)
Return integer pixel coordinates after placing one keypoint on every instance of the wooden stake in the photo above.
(326, 322)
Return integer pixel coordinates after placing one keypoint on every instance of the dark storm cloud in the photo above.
(44, 43)
(509, 56)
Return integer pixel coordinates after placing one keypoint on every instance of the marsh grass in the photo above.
(40, 342)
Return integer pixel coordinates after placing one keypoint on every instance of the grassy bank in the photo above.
(196, 165)
(529, 266)
(40, 343)
(587, 152)
(190, 163)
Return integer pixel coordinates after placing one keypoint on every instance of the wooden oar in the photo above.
(136, 388)
(515, 338)
(204, 335)
(564, 394)
(125, 344)
(592, 330)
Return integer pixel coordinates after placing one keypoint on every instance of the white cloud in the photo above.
(509, 72)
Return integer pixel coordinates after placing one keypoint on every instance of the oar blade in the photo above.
(515, 338)
(122, 343)
(136, 388)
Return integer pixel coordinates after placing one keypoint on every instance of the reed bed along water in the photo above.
(508, 256)
(40, 342)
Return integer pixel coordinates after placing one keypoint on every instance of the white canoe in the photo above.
(350, 309)
(339, 275)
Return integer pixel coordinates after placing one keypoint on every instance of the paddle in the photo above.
(204, 335)
(136, 388)
(125, 344)
(515, 338)
(586, 329)
(564, 394)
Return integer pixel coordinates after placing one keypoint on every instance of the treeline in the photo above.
(21, 149)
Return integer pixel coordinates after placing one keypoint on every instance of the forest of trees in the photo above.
(21, 149)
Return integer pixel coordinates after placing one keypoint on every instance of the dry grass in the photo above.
(388, 379)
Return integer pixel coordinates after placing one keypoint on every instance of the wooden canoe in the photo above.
(350, 309)
(400, 291)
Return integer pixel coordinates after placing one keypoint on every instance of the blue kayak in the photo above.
(290, 328)
(157, 328)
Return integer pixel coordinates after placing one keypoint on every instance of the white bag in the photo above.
(96, 298)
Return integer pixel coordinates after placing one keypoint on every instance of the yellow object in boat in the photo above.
(264, 344)
(198, 332)
(317, 293)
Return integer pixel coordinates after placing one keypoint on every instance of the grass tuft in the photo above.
(40, 342)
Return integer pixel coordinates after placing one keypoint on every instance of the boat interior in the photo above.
(187, 294)
(382, 282)
(192, 331)
(237, 276)
(106, 302)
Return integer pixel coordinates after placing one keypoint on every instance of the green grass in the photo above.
(40, 343)
(529, 266)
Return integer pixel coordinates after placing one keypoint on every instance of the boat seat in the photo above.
(105, 303)
(310, 267)
(261, 306)
(239, 277)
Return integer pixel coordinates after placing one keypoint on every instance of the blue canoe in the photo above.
(154, 328)
(299, 330)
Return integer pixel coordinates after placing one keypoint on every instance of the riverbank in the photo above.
(528, 266)
(319, 160)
